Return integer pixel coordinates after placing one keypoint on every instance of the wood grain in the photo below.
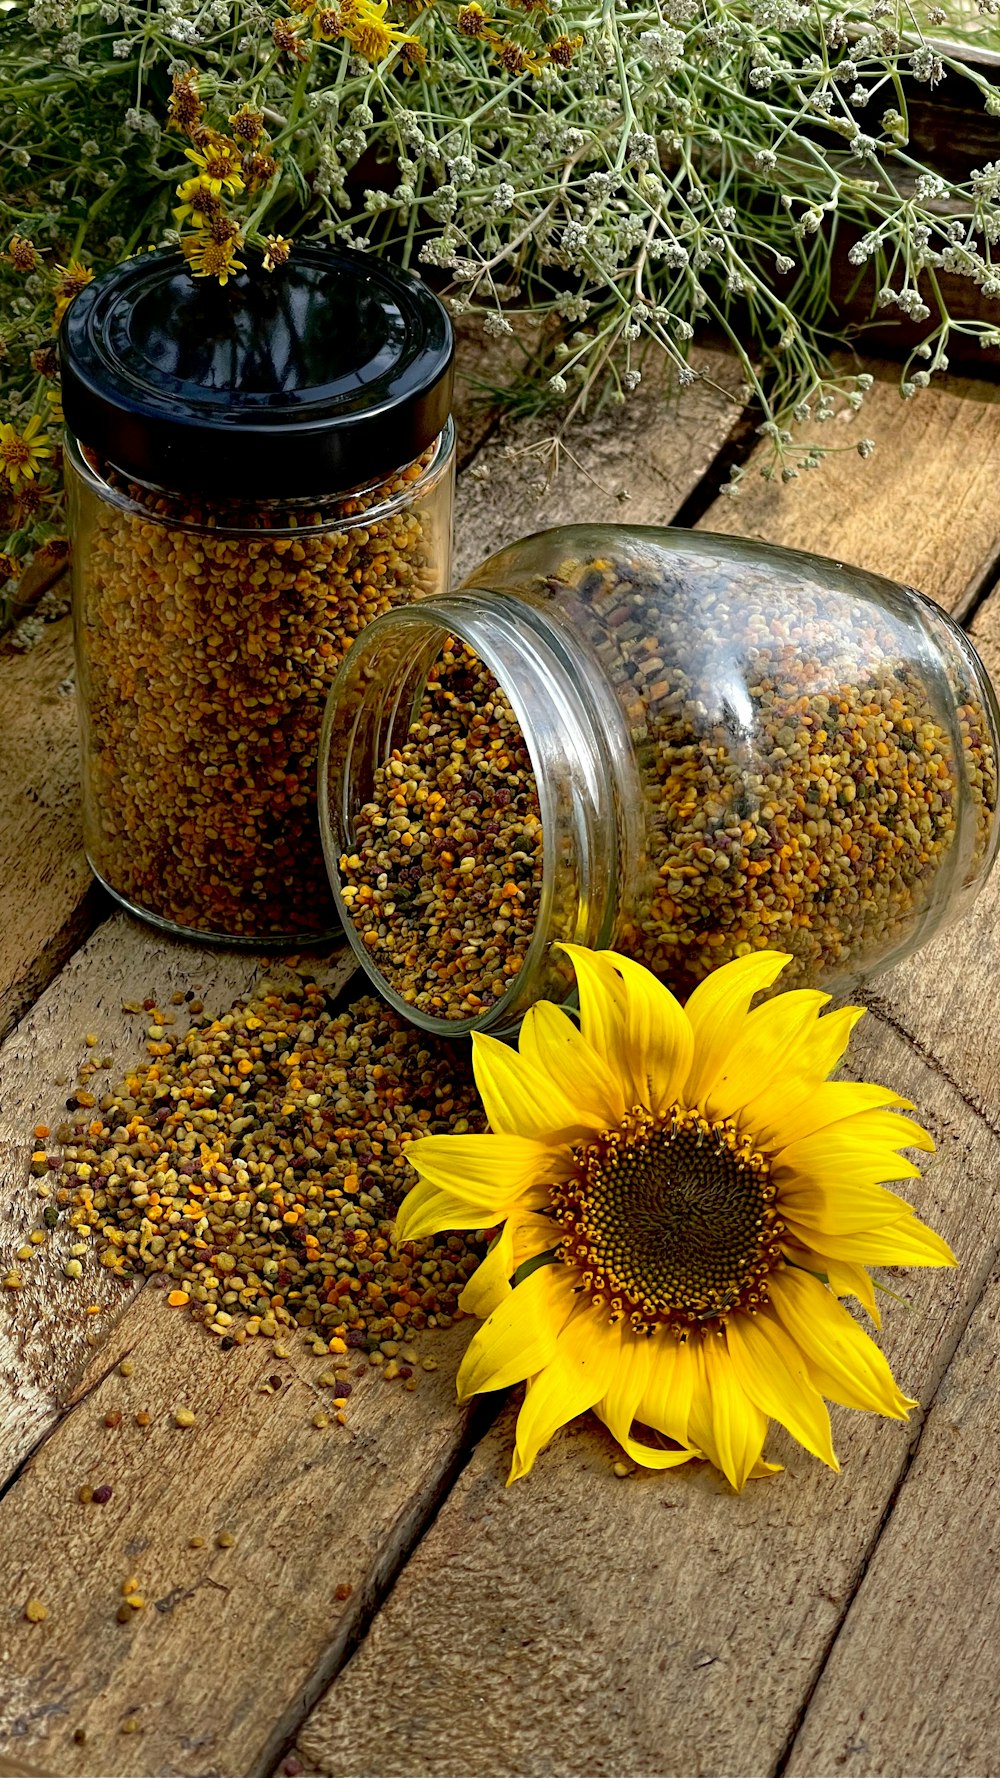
(47, 895)
(913, 1680)
(233, 1643)
(922, 510)
(655, 1624)
(631, 465)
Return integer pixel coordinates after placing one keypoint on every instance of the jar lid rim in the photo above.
(331, 370)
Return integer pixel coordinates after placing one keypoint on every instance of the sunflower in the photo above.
(684, 1197)
(23, 453)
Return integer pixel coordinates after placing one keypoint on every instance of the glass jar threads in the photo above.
(253, 474)
(681, 745)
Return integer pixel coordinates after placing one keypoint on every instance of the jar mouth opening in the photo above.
(437, 466)
(422, 629)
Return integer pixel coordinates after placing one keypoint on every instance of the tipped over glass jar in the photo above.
(680, 745)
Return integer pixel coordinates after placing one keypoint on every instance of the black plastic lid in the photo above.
(322, 375)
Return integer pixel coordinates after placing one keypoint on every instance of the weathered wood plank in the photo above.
(48, 898)
(630, 465)
(313, 1509)
(233, 1643)
(922, 510)
(913, 1679)
(940, 997)
(656, 1624)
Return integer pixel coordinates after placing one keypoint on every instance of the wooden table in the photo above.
(390, 1609)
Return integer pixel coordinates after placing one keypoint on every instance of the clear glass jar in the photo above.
(733, 746)
(252, 476)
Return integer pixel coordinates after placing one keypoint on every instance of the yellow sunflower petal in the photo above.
(865, 1133)
(908, 1242)
(845, 1278)
(768, 1046)
(658, 1040)
(845, 1365)
(673, 1376)
(811, 1208)
(524, 1236)
(520, 1101)
(738, 1427)
(471, 1182)
(716, 1012)
(820, 1049)
(551, 1043)
(601, 993)
(620, 1405)
(773, 1372)
(573, 1379)
(784, 1113)
(520, 1336)
(762, 1469)
(490, 1283)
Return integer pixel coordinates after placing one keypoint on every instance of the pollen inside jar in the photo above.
(254, 473)
(212, 634)
(444, 882)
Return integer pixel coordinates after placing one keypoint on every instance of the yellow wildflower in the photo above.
(71, 279)
(328, 23)
(184, 108)
(286, 38)
(563, 49)
(258, 168)
(22, 254)
(367, 31)
(218, 164)
(199, 201)
(22, 453)
(247, 125)
(277, 249)
(472, 20)
(209, 258)
(685, 1196)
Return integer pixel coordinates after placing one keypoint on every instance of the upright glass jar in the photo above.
(731, 746)
(253, 472)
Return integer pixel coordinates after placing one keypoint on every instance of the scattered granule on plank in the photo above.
(257, 1162)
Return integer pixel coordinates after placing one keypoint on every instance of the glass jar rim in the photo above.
(432, 473)
(464, 614)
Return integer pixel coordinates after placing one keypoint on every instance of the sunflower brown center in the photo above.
(670, 1220)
